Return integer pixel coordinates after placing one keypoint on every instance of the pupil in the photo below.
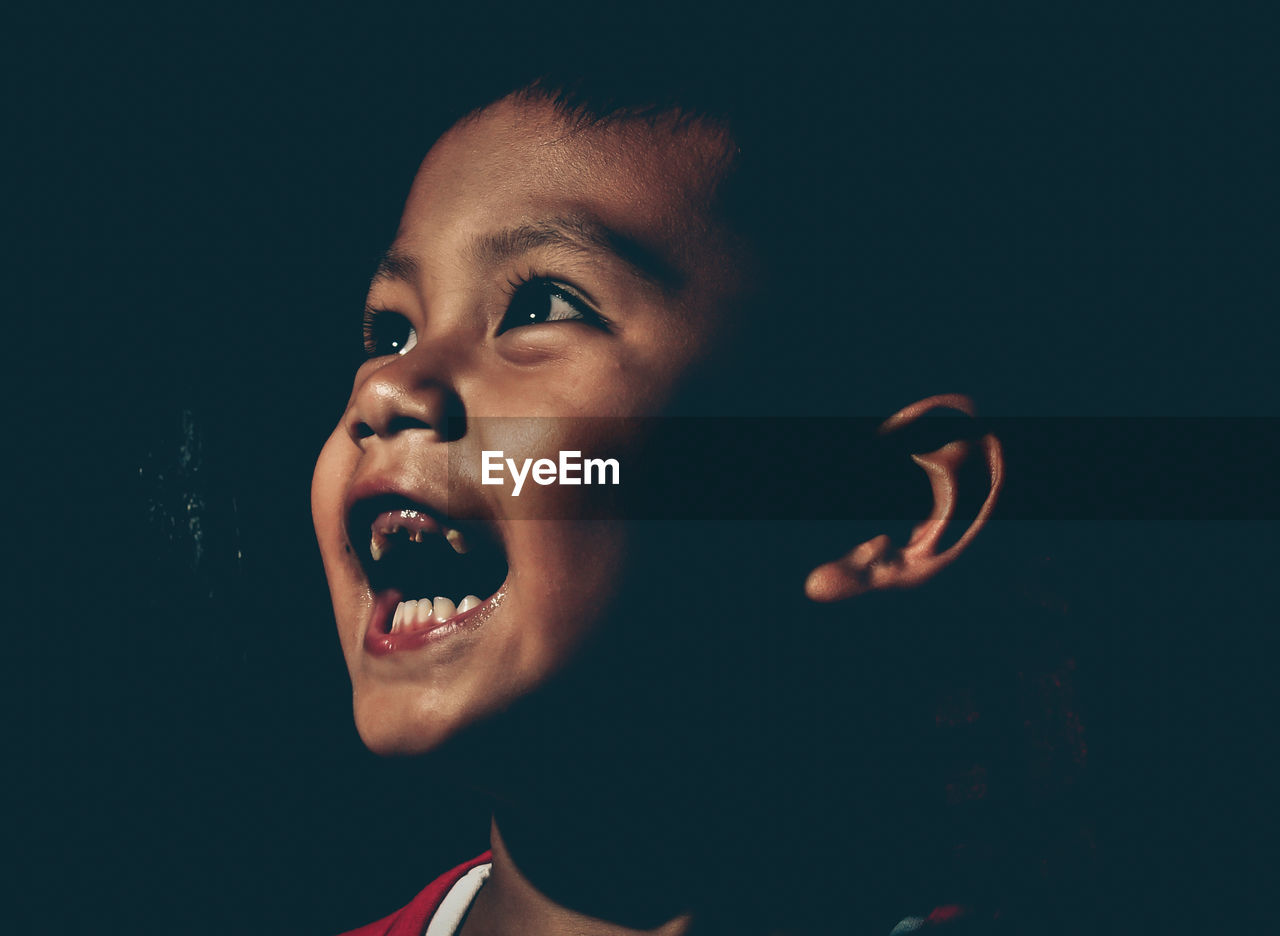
(394, 333)
(532, 303)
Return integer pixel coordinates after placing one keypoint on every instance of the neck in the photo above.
(608, 823)
(585, 901)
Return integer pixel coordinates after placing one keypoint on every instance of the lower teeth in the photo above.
(424, 612)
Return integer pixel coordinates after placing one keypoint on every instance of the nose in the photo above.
(405, 394)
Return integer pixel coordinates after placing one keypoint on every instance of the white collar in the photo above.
(448, 916)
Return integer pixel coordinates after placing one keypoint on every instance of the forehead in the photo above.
(521, 161)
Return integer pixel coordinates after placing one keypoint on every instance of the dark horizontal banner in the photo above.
(819, 470)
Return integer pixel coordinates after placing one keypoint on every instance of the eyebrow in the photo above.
(580, 235)
(575, 234)
(396, 265)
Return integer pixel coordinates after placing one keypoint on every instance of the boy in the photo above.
(624, 684)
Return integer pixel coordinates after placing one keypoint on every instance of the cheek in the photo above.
(567, 583)
(333, 470)
(590, 378)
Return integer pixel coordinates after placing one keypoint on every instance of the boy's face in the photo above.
(542, 276)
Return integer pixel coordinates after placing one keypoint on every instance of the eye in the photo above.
(387, 333)
(540, 300)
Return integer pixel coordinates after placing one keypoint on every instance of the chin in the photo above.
(397, 727)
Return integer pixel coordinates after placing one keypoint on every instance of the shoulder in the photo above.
(412, 920)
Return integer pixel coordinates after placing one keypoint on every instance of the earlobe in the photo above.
(877, 563)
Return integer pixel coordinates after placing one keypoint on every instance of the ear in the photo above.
(878, 563)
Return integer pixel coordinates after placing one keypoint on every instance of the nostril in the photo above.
(403, 423)
(454, 422)
(386, 410)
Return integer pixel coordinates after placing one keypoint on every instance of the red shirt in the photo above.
(413, 919)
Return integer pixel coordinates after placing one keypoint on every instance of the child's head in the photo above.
(654, 280)
(559, 278)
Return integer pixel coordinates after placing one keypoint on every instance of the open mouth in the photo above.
(430, 576)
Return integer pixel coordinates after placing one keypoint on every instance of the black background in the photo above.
(198, 198)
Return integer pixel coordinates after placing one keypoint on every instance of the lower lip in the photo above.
(378, 642)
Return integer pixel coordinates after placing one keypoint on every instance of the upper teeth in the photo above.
(380, 542)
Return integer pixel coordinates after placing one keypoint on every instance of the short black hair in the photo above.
(880, 231)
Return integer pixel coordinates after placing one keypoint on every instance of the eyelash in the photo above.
(567, 294)
(375, 319)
